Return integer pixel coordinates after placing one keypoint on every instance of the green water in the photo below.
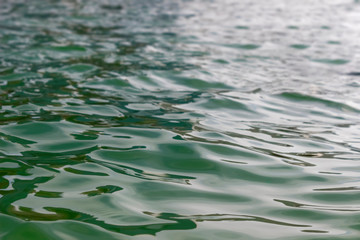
(182, 119)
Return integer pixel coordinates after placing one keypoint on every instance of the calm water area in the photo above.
(179, 119)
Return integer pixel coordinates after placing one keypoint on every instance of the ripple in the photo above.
(179, 120)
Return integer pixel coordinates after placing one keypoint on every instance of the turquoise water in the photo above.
(183, 119)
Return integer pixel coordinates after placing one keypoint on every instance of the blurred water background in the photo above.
(179, 119)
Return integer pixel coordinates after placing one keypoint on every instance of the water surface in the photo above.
(183, 119)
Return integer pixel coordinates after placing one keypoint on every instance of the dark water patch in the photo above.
(338, 189)
(244, 46)
(293, 27)
(242, 27)
(222, 61)
(46, 194)
(82, 172)
(332, 61)
(102, 190)
(299, 46)
(334, 42)
(354, 74)
(112, 7)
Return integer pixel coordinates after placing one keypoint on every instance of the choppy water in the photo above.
(170, 119)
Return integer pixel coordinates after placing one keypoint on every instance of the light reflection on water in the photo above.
(179, 119)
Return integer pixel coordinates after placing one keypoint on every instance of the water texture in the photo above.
(179, 119)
